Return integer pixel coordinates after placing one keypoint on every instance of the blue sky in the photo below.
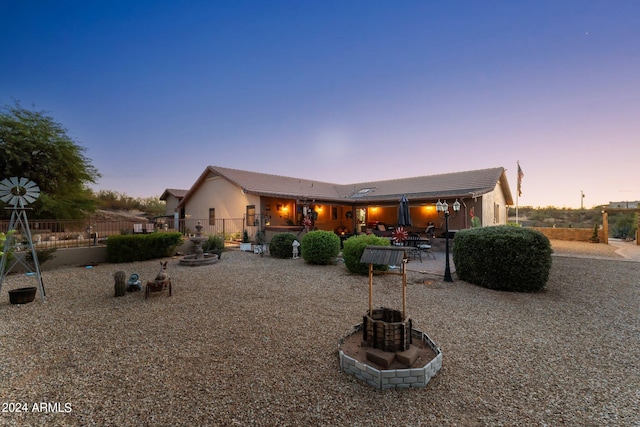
(338, 91)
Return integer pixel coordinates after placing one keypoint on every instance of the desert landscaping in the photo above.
(253, 340)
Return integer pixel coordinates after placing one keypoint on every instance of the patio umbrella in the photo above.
(404, 217)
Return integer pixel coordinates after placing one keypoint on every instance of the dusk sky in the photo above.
(338, 91)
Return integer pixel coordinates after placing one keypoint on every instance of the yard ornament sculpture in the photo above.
(18, 193)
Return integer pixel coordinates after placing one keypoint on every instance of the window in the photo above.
(212, 216)
(496, 213)
(251, 215)
(334, 213)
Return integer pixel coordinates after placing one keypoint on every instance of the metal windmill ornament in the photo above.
(18, 193)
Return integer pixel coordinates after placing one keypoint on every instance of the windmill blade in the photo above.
(6, 197)
(32, 186)
(5, 185)
(29, 198)
(14, 181)
(23, 181)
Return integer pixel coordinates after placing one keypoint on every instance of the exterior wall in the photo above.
(278, 211)
(171, 204)
(494, 210)
(225, 197)
(572, 234)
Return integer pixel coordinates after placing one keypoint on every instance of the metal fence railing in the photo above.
(90, 232)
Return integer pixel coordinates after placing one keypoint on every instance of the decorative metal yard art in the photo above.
(18, 193)
(387, 336)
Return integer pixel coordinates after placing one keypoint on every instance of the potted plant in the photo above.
(594, 237)
(245, 246)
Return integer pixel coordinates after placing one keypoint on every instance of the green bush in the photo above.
(142, 247)
(320, 247)
(213, 243)
(280, 246)
(354, 248)
(503, 258)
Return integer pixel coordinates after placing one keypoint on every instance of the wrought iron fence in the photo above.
(90, 232)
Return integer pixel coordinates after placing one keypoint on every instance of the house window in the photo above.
(212, 216)
(251, 215)
(496, 213)
(334, 212)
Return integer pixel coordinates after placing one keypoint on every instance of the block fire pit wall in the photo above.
(393, 378)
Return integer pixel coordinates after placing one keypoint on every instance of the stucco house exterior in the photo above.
(231, 200)
(172, 198)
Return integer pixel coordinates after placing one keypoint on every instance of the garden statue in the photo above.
(134, 283)
(296, 252)
(119, 278)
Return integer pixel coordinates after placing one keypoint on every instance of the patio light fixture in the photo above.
(443, 212)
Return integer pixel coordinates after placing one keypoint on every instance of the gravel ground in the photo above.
(253, 341)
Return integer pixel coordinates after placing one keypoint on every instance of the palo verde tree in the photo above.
(35, 146)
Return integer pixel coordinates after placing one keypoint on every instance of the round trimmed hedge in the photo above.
(320, 247)
(503, 258)
(354, 248)
(280, 245)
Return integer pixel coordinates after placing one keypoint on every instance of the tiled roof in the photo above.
(178, 194)
(277, 185)
(457, 184)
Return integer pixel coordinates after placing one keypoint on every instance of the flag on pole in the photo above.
(520, 175)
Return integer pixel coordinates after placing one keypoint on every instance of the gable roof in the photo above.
(449, 185)
(457, 184)
(178, 194)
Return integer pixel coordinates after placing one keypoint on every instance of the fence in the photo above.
(91, 232)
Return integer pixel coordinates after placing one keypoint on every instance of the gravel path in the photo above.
(253, 341)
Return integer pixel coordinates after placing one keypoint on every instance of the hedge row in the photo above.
(142, 247)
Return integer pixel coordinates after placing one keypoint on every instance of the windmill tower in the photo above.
(18, 193)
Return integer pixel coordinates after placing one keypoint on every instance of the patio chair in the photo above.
(413, 241)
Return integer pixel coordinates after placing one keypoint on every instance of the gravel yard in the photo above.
(253, 341)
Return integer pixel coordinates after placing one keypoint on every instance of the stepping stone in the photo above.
(379, 357)
(408, 356)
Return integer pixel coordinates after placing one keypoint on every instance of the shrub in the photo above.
(214, 242)
(43, 255)
(320, 247)
(280, 246)
(141, 247)
(503, 258)
(354, 248)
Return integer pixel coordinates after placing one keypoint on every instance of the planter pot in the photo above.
(22, 295)
(245, 247)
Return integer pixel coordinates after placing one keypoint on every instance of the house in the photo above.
(229, 201)
(172, 198)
